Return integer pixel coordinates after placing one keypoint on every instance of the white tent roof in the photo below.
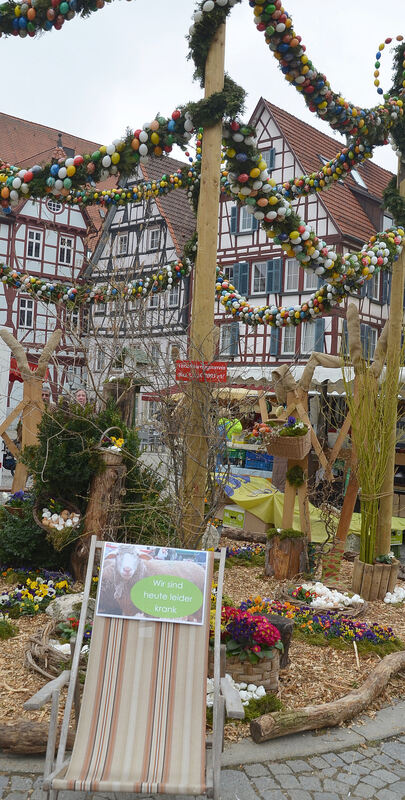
(260, 377)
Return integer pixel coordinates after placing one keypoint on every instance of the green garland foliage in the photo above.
(295, 476)
(202, 36)
(228, 103)
(285, 533)
(393, 202)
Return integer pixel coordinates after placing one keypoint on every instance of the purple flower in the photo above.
(291, 420)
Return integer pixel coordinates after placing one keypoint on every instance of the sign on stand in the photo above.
(161, 584)
(202, 371)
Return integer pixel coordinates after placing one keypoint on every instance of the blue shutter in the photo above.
(243, 287)
(363, 290)
(369, 289)
(319, 335)
(234, 219)
(235, 279)
(344, 345)
(271, 158)
(273, 281)
(364, 337)
(384, 296)
(255, 223)
(321, 281)
(274, 341)
(234, 344)
(389, 275)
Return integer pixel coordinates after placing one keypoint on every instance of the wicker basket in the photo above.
(37, 513)
(264, 673)
(110, 458)
(15, 511)
(42, 657)
(292, 447)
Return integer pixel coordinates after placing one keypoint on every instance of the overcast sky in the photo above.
(127, 62)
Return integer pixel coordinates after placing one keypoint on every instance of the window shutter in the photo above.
(274, 341)
(364, 337)
(321, 281)
(271, 158)
(363, 290)
(234, 219)
(234, 344)
(255, 223)
(345, 339)
(389, 279)
(273, 281)
(319, 344)
(243, 287)
(384, 276)
(235, 279)
(369, 289)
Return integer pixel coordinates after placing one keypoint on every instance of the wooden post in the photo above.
(202, 311)
(383, 540)
(30, 419)
(299, 399)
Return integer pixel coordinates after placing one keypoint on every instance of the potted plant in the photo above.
(286, 554)
(291, 439)
(16, 503)
(253, 647)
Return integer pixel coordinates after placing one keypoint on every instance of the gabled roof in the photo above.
(174, 207)
(25, 143)
(341, 201)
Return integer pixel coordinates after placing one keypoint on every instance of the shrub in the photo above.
(23, 542)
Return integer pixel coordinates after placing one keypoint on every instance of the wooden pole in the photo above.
(383, 540)
(202, 310)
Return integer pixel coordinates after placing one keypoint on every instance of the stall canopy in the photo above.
(15, 374)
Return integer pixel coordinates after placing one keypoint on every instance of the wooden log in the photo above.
(285, 558)
(385, 579)
(27, 738)
(367, 580)
(243, 536)
(374, 592)
(327, 715)
(357, 575)
(394, 569)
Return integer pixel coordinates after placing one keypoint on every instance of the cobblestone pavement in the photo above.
(374, 771)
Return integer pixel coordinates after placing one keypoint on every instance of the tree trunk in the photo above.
(285, 558)
(271, 726)
(124, 396)
(243, 536)
(103, 513)
(28, 738)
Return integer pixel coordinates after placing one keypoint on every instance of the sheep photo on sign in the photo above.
(163, 584)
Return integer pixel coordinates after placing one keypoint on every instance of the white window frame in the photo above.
(154, 233)
(34, 243)
(372, 342)
(387, 222)
(259, 279)
(245, 220)
(153, 300)
(228, 272)
(289, 263)
(265, 154)
(66, 247)
(155, 353)
(288, 346)
(100, 359)
(75, 320)
(225, 340)
(122, 244)
(310, 280)
(26, 313)
(308, 335)
(173, 296)
(375, 286)
(54, 206)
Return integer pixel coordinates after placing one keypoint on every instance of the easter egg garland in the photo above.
(244, 177)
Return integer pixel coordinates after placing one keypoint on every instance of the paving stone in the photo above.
(273, 794)
(235, 784)
(326, 796)
(255, 770)
(21, 796)
(299, 766)
(287, 781)
(368, 764)
(395, 749)
(349, 778)
(318, 762)
(327, 773)
(310, 782)
(358, 769)
(66, 794)
(398, 788)
(385, 775)
(364, 791)
(264, 783)
(298, 794)
(3, 781)
(384, 760)
(333, 759)
(335, 786)
(280, 768)
(386, 794)
(350, 756)
(19, 783)
(372, 780)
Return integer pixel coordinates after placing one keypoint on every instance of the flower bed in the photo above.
(319, 597)
(248, 555)
(33, 593)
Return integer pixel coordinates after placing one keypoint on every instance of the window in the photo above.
(229, 339)
(25, 314)
(368, 336)
(100, 309)
(154, 239)
(357, 178)
(122, 244)
(373, 288)
(245, 220)
(155, 352)
(310, 279)
(259, 277)
(34, 244)
(54, 206)
(74, 320)
(228, 272)
(291, 275)
(65, 250)
(307, 338)
(100, 358)
(153, 300)
(372, 342)
(288, 343)
(269, 156)
(174, 296)
(387, 222)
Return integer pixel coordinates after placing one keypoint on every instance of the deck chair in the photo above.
(141, 725)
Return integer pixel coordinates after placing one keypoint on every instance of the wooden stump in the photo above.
(285, 627)
(285, 558)
(373, 581)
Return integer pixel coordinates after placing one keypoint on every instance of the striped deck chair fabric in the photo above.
(142, 720)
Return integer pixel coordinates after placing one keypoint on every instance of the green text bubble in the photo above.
(166, 596)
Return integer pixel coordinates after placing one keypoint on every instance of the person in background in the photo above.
(81, 397)
(227, 428)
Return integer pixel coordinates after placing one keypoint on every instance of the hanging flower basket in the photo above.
(291, 447)
(108, 449)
